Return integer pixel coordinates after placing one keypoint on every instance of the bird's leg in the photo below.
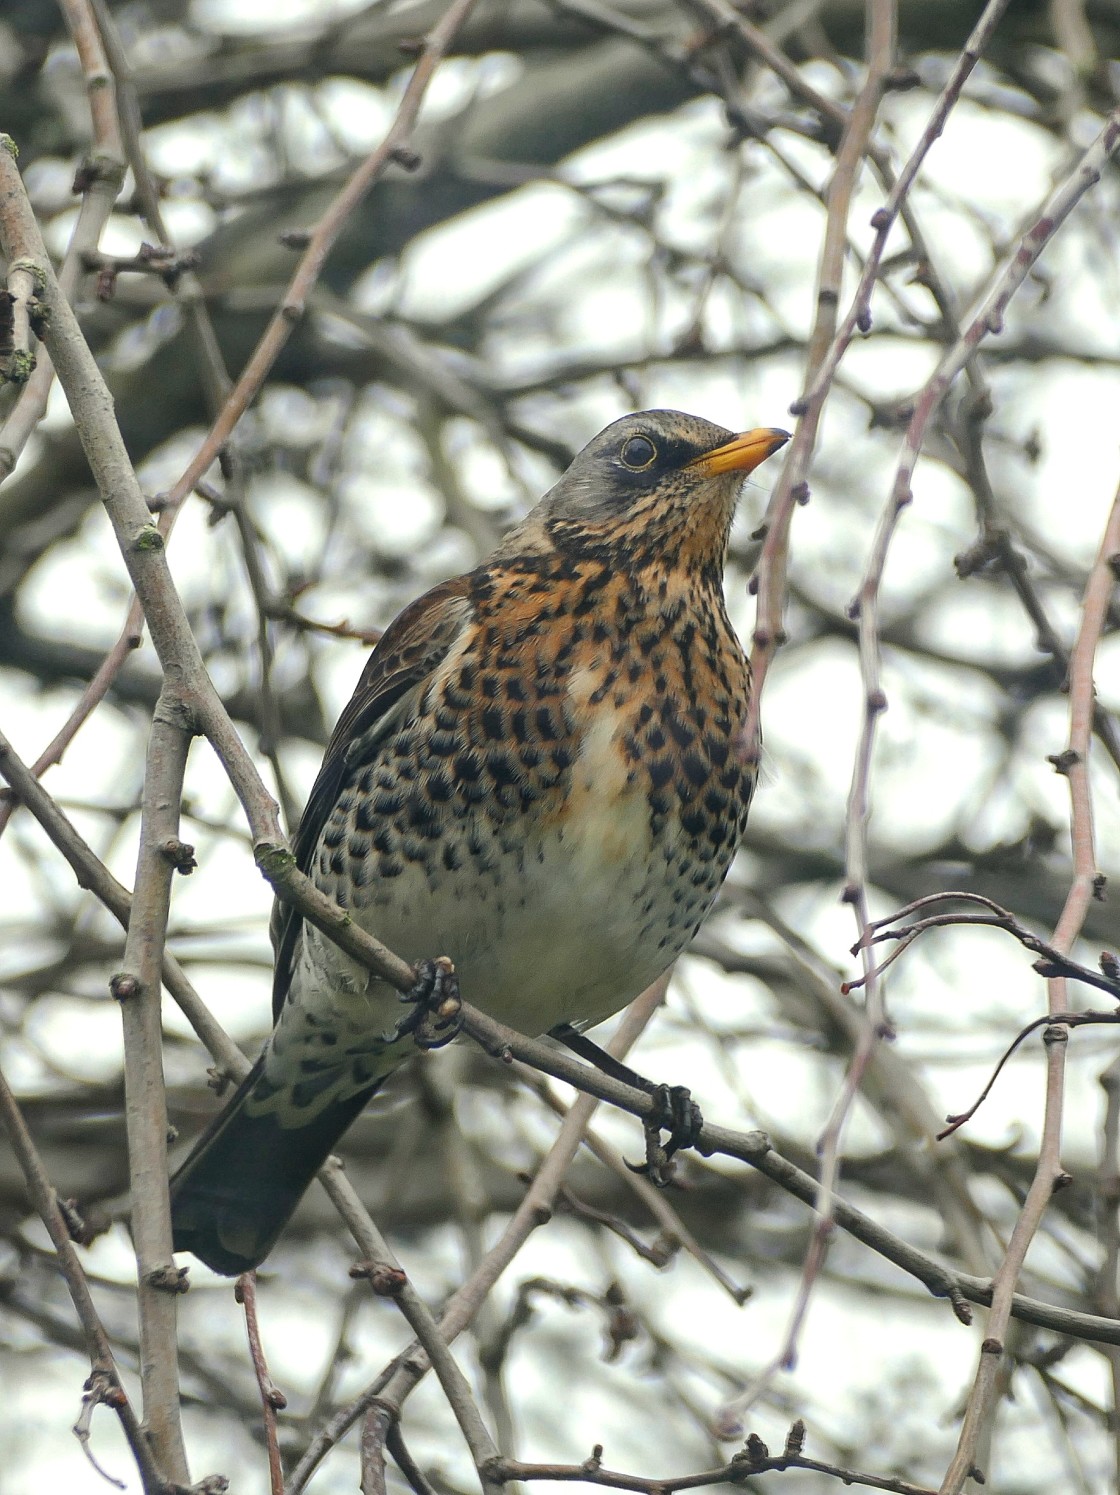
(436, 1015)
(674, 1110)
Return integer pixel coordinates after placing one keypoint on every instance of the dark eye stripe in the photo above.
(638, 452)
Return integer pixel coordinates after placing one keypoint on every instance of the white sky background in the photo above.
(938, 731)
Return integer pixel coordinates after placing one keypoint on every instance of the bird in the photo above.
(542, 775)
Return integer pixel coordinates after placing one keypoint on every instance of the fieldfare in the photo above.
(541, 774)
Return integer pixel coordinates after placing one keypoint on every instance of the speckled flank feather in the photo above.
(539, 775)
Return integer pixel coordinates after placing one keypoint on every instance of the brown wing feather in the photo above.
(406, 655)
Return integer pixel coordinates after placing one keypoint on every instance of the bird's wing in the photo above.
(388, 692)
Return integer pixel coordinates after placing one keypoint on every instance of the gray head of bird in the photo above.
(652, 482)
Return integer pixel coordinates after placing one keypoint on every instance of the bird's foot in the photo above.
(674, 1111)
(437, 1008)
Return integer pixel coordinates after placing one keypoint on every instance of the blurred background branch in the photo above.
(615, 206)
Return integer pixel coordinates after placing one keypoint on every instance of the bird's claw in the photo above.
(436, 1007)
(674, 1111)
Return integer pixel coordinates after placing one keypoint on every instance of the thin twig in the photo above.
(1107, 1295)
(884, 218)
(97, 1390)
(1049, 1173)
(1051, 961)
(882, 22)
(99, 180)
(375, 1431)
(469, 1205)
(865, 609)
(755, 1459)
(1066, 1019)
(388, 1279)
(104, 1367)
(137, 988)
(395, 148)
(141, 543)
(395, 1444)
(185, 287)
(273, 1399)
(988, 319)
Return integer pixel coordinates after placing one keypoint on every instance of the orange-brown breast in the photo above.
(610, 695)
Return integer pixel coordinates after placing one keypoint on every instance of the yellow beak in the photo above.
(742, 453)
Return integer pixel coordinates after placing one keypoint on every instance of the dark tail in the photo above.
(241, 1184)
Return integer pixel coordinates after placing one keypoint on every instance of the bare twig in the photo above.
(988, 319)
(104, 1372)
(375, 1431)
(184, 285)
(388, 1279)
(1066, 1019)
(883, 220)
(1107, 1295)
(1051, 961)
(766, 637)
(791, 487)
(834, 118)
(97, 1390)
(395, 148)
(273, 1399)
(18, 304)
(99, 80)
(754, 1459)
(99, 181)
(394, 1442)
(137, 988)
(1049, 1174)
(996, 547)
(116, 128)
(468, 1197)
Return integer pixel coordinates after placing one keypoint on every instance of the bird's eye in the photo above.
(638, 452)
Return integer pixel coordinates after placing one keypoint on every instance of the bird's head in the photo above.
(652, 481)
